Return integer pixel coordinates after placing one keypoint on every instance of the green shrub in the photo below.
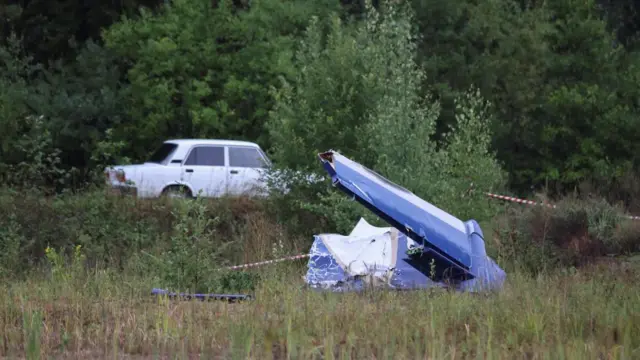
(191, 260)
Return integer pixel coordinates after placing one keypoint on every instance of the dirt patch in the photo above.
(583, 246)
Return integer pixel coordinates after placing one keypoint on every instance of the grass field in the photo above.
(588, 314)
(63, 308)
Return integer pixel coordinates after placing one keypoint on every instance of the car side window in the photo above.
(245, 157)
(206, 156)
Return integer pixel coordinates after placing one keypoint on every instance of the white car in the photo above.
(195, 167)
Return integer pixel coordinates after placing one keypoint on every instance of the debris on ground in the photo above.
(201, 297)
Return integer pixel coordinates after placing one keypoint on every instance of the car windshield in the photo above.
(162, 153)
(265, 158)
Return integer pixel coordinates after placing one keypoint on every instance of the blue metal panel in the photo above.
(322, 266)
(445, 238)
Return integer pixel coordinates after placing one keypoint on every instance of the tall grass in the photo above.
(591, 313)
(93, 300)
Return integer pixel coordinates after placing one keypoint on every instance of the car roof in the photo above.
(211, 142)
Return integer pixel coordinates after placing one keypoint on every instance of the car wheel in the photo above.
(177, 192)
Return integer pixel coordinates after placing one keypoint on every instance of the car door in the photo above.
(246, 166)
(205, 170)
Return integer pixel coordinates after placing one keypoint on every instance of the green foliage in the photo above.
(10, 242)
(13, 110)
(174, 59)
(108, 229)
(53, 29)
(82, 101)
(28, 153)
(196, 70)
(589, 103)
(188, 263)
(63, 271)
(32, 325)
(561, 89)
(177, 244)
(358, 92)
(39, 164)
(563, 92)
(57, 121)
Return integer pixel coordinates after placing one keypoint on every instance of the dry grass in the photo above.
(575, 233)
(592, 313)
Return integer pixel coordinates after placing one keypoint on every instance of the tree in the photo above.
(358, 92)
(53, 30)
(54, 118)
(197, 70)
(497, 47)
(14, 90)
(589, 120)
(559, 84)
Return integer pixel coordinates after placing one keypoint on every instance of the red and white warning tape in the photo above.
(516, 200)
(244, 266)
(529, 202)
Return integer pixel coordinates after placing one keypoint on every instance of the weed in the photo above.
(32, 324)
(61, 273)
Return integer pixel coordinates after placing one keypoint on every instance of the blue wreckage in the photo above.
(424, 247)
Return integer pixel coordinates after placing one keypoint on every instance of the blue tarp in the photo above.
(424, 247)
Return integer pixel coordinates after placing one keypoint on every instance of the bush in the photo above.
(573, 234)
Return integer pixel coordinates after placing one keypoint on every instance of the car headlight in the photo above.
(120, 176)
